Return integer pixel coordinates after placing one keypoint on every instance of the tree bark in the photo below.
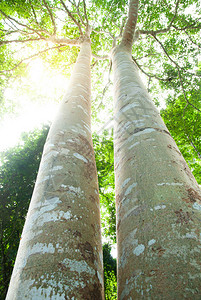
(158, 200)
(60, 253)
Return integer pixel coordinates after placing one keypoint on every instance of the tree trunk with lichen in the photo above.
(60, 253)
(158, 200)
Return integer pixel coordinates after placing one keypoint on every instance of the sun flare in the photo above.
(34, 101)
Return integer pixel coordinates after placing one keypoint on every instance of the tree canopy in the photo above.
(166, 48)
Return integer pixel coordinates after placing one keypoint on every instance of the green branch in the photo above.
(72, 18)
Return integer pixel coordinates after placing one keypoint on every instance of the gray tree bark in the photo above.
(60, 253)
(158, 200)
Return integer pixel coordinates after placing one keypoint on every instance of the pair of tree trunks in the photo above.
(157, 202)
(60, 252)
(157, 199)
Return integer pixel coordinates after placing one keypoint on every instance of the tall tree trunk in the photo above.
(60, 253)
(157, 198)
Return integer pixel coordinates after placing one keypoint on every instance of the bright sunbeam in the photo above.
(30, 118)
(114, 251)
(34, 99)
(36, 70)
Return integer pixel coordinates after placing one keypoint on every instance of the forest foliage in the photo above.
(167, 53)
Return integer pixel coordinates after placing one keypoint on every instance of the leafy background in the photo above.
(167, 53)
